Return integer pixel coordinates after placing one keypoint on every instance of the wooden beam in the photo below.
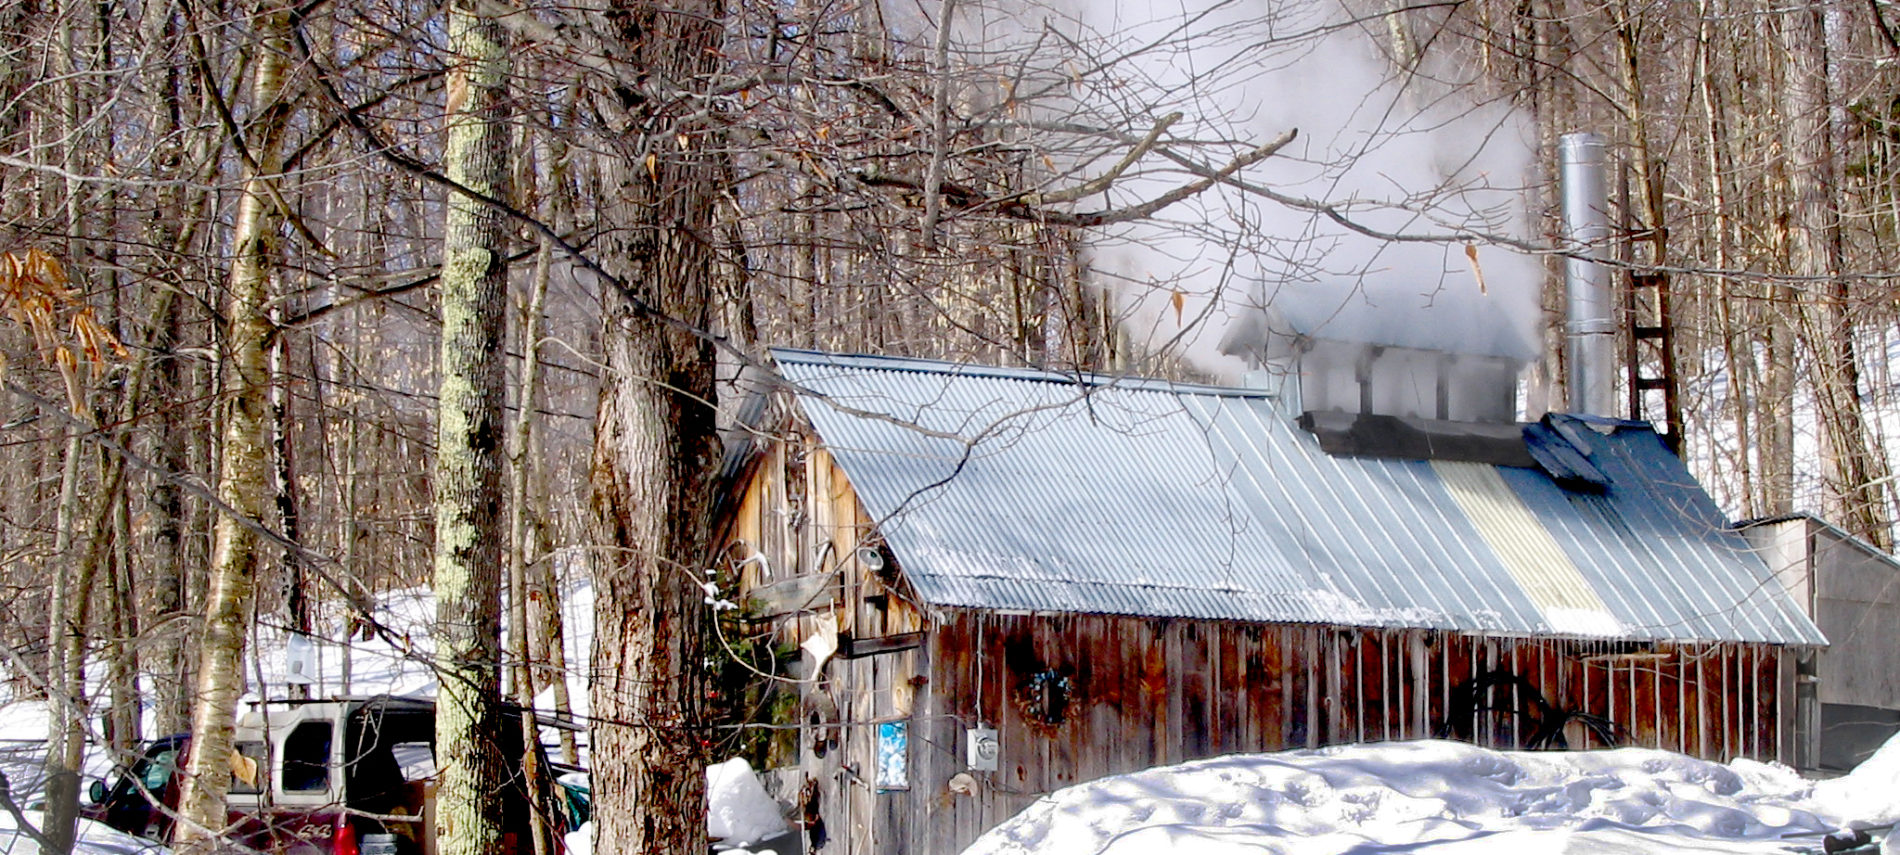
(857, 648)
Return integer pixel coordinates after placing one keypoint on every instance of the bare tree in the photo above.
(963, 180)
(654, 445)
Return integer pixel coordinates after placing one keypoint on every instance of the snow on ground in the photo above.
(95, 838)
(23, 752)
(396, 662)
(739, 813)
(738, 810)
(1448, 798)
(1869, 795)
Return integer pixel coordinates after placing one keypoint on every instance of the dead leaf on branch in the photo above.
(35, 292)
(95, 340)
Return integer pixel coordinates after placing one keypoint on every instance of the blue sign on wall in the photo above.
(893, 756)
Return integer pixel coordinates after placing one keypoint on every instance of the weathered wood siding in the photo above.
(795, 534)
(1148, 692)
(1143, 692)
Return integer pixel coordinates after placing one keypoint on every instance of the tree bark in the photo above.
(543, 590)
(66, 618)
(66, 720)
(1856, 468)
(177, 223)
(521, 629)
(655, 448)
(469, 447)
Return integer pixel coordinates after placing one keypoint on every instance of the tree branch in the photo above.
(88, 433)
(369, 295)
(19, 816)
(1886, 29)
(1102, 182)
(1026, 206)
(222, 107)
(939, 126)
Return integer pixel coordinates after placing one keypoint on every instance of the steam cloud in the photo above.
(1397, 153)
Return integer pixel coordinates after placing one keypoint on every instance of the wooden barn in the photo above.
(1008, 581)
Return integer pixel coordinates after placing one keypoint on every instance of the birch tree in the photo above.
(244, 468)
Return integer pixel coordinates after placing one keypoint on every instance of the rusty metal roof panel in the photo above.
(1020, 490)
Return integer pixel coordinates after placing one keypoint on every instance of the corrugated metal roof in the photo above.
(1010, 489)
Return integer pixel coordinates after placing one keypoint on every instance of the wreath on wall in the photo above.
(1046, 697)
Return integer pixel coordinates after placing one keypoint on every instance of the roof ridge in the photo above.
(921, 365)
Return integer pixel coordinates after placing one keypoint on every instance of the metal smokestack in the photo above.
(1590, 327)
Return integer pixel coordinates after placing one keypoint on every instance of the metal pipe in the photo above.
(1590, 325)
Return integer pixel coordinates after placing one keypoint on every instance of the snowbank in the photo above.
(739, 811)
(1437, 797)
(95, 838)
(1868, 796)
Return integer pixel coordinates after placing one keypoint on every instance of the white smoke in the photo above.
(1396, 154)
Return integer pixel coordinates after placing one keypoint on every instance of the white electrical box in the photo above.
(300, 660)
(982, 748)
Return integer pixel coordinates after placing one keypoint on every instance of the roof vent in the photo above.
(1340, 363)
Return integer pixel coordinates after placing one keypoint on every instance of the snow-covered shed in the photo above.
(1007, 581)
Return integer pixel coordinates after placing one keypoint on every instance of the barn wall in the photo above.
(1149, 692)
(795, 536)
(1848, 588)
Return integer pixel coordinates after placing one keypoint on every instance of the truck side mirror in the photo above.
(96, 791)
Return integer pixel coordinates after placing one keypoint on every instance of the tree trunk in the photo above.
(65, 714)
(1856, 469)
(469, 447)
(66, 624)
(244, 480)
(655, 448)
(287, 495)
(177, 222)
(520, 629)
(123, 722)
(545, 591)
